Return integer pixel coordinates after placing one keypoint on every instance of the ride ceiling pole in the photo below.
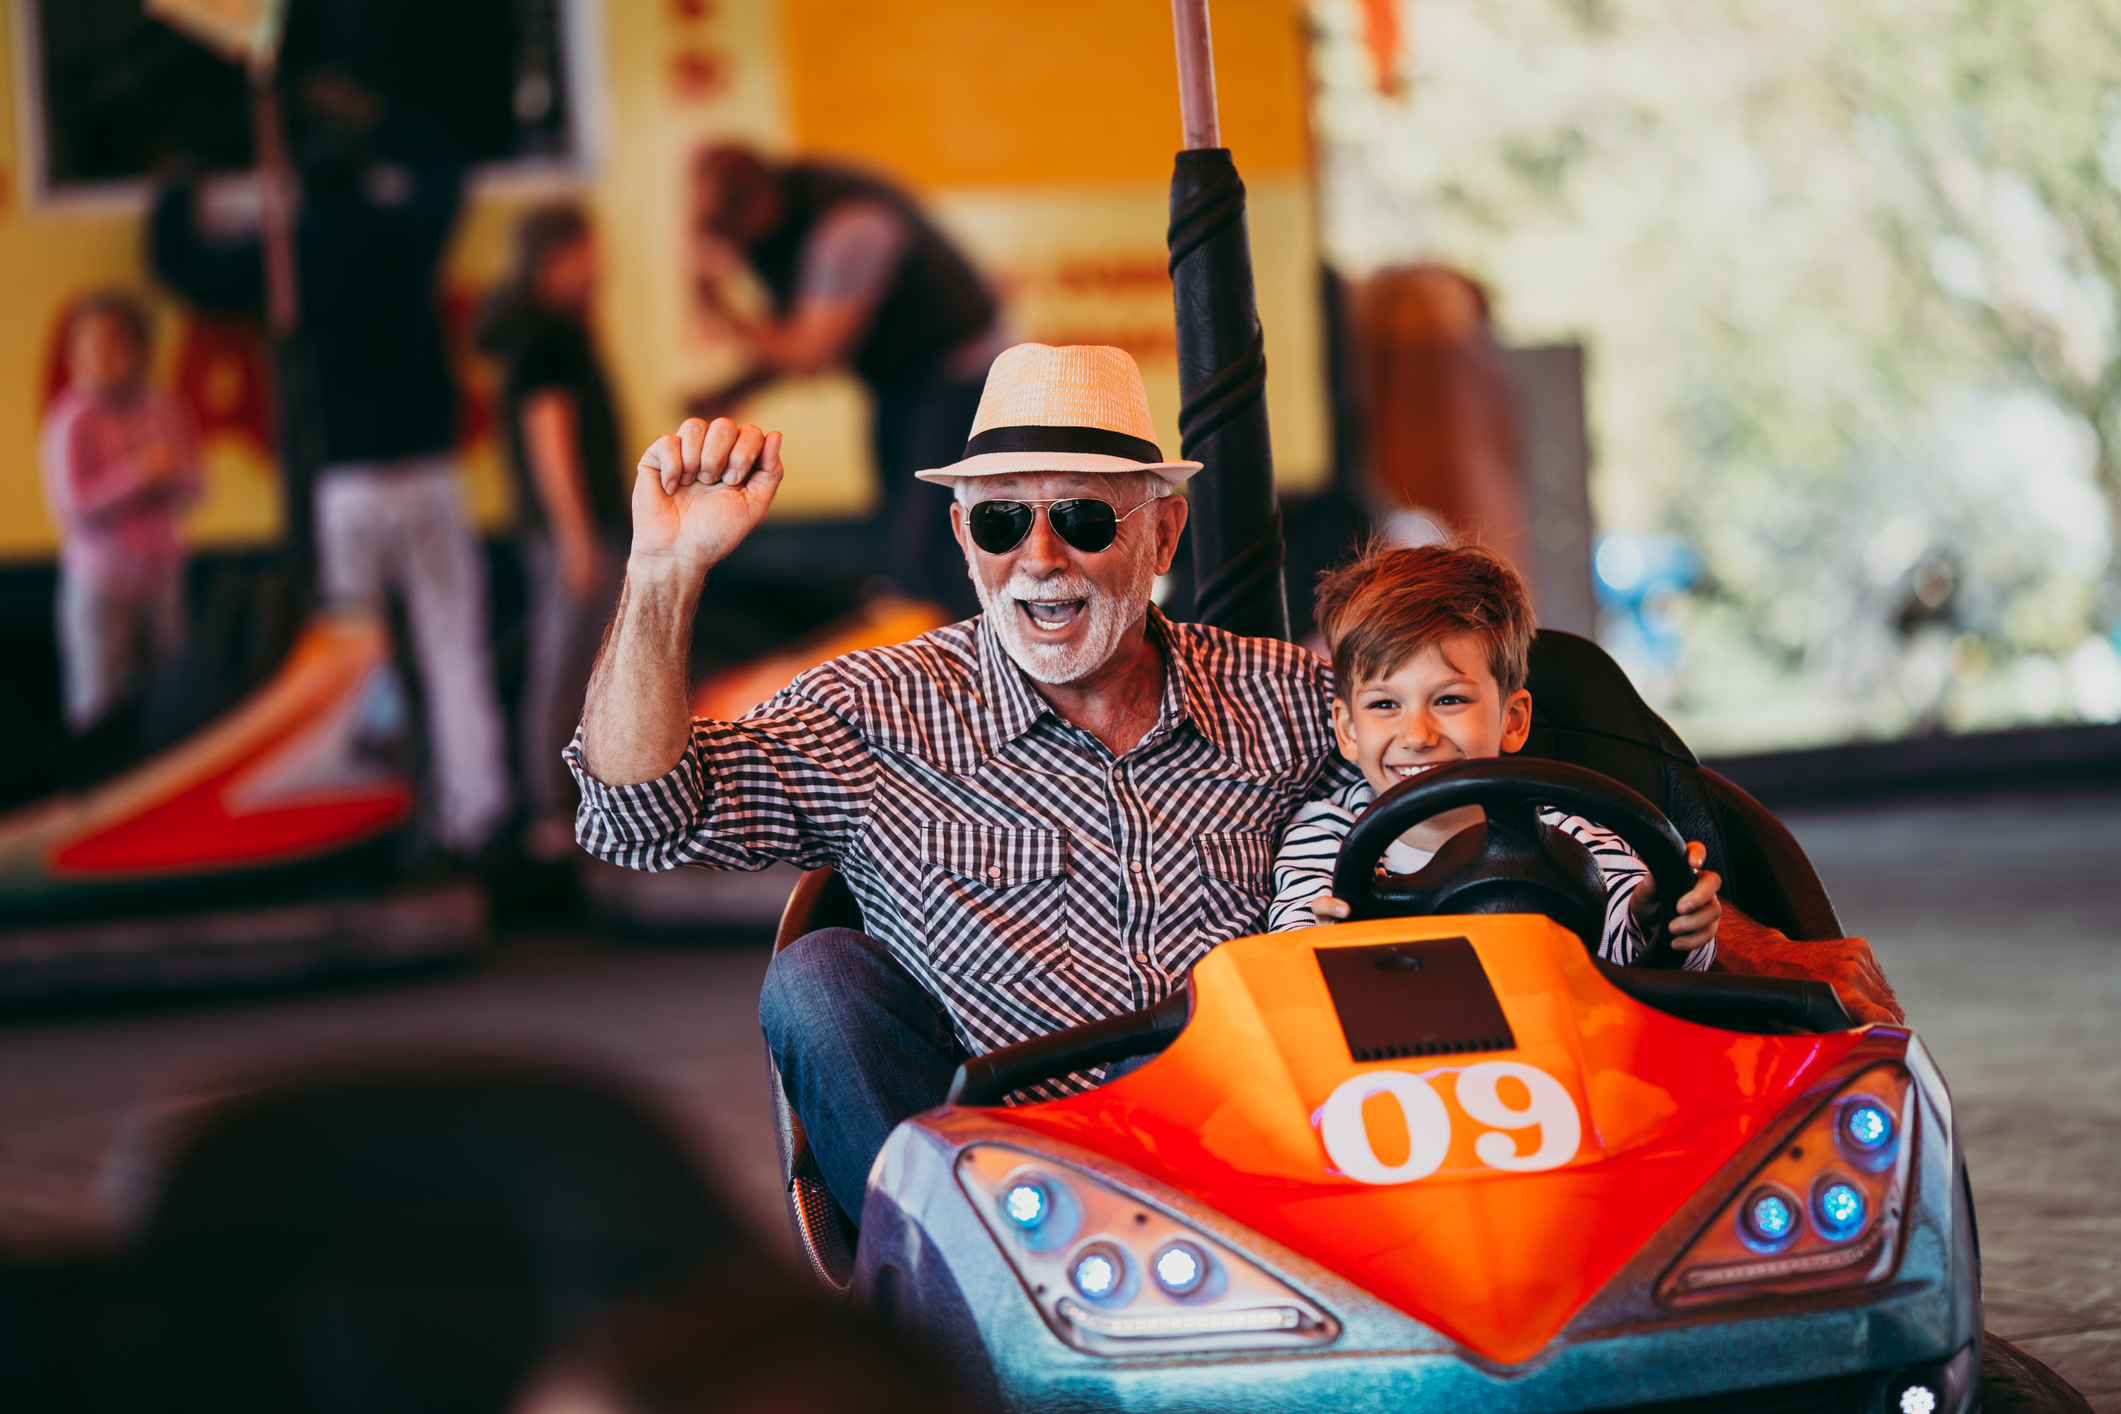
(248, 32)
(275, 201)
(301, 452)
(1222, 363)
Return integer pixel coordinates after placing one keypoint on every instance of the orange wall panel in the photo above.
(956, 93)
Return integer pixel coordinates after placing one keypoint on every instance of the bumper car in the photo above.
(303, 769)
(256, 849)
(1441, 1156)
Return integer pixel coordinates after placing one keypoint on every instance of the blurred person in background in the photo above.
(120, 461)
(380, 190)
(572, 493)
(859, 278)
(1443, 441)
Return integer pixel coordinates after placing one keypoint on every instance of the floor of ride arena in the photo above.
(1993, 917)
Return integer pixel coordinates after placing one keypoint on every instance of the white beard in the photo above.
(1106, 618)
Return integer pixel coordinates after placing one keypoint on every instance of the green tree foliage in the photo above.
(2000, 139)
(1846, 271)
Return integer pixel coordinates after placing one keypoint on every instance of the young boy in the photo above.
(1430, 649)
(119, 463)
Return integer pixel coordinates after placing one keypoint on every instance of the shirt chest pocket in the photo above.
(994, 900)
(1233, 882)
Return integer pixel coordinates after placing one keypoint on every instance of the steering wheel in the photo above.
(1515, 862)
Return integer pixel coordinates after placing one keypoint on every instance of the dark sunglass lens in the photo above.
(1000, 526)
(1088, 525)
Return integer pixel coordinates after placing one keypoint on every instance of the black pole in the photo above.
(1222, 418)
(1222, 363)
(293, 375)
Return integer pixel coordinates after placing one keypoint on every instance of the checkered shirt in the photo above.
(1027, 877)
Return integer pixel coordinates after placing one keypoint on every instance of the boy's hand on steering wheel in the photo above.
(700, 490)
(1328, 909)
(1694, 921)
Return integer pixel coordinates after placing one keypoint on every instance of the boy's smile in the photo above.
(1439, 706)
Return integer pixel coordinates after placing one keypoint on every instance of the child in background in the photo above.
(120, 462)
(1431, 646)
(573, 494)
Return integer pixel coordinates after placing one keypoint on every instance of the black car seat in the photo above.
(824, 1234)
(409, 1242)
(1585, 712)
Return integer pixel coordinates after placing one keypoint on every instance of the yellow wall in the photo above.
(973, 93)
(1041, 136)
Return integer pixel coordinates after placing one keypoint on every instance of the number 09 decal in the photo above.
(1549, 1110)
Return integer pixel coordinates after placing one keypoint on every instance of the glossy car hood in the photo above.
(1497, 1259)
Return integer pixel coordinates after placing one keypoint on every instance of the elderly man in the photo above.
(1048, 813)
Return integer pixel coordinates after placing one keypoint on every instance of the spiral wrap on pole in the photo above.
(1222, 418)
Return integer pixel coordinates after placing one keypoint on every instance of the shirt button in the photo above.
(994, 871)
(1135, 865)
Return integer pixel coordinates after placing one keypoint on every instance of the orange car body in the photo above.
(1550, 1215)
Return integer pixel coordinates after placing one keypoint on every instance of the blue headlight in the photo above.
(1770, 1218)
(1180, 1269)
(1026, 1204)
(1097, 1273)
(1840, 1209)
(1868, 1127)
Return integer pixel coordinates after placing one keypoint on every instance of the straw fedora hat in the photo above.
(1079, 408)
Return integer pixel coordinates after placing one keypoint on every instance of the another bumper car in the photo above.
(256, 848)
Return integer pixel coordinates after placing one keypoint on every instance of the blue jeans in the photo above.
(860, 1045)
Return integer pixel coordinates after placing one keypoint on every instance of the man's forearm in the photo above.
(696, 494)
(637, 717)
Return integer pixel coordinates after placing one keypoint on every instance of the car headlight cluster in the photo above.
(1113, 1275)
(1824, 1211)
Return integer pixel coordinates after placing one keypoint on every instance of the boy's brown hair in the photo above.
(1390, 602)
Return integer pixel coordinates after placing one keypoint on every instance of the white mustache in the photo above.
(1056, 589)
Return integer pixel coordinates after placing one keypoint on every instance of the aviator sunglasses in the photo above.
(1085, 522)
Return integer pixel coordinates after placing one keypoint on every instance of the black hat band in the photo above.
(1093, 441)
